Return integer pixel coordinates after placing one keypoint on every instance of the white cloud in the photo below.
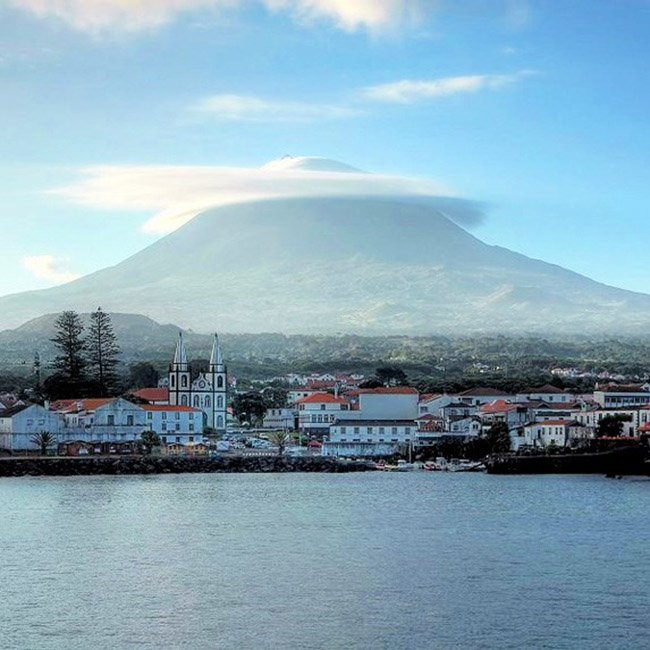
(178, 193)
(410, 91)
(133, 15)
(256, 109)
(49, 268)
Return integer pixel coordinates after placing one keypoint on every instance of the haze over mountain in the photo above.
(355, 263)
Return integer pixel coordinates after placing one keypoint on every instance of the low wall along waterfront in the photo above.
(71, 466)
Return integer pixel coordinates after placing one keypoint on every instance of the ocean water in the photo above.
(306, 561)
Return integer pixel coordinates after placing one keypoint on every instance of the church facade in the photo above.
(207, 392)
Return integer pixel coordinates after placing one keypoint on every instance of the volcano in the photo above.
(363, 264)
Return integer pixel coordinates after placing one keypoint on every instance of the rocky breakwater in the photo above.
(89, 465)
(621, 461)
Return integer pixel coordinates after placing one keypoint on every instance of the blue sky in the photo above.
(538, 108)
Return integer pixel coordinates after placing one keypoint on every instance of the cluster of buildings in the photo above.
(378, 421)
(332, 408)
(180, 413)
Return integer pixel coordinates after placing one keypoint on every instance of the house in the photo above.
(547, 393)
(389, 403)
(617, 395)
(179, 424)
(542, 434)
(368, 437)
(500, 410)
(432, 403)
(318, 411)
(279, 418)
(482, 395)
(19, 424)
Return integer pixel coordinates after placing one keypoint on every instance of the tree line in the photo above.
(86, 360)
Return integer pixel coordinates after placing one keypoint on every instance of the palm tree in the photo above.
(44, 440)
(280, 438)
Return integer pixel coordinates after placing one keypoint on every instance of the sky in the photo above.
(122, 118)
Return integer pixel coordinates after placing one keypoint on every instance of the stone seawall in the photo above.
(72, 466)
(629, 460)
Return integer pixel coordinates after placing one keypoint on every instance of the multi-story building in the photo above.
(20, 424)
(317, 412)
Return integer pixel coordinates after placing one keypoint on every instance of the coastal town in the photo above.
(329, 414)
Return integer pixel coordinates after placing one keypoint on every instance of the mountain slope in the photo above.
(339, 264)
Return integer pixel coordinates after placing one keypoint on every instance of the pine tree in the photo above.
(69, 364)
(103, 350)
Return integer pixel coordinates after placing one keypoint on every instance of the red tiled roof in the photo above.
(545, 389)
(390, 390)
(484, 390)
(498, 406)
(77, 405)
(322, 398)
(153, 394)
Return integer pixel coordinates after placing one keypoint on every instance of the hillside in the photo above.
(327, 265)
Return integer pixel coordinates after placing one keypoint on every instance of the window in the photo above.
(184, 400)
(207, 401)
(164, 415)
(320, 417)
(220, 402)
(110, 419)
(177, 415)
(191, 416)
(369, 431)
(164, 426)
(220, 422)
(164, 440)
(191, 427)
(356, 431)
(129, 420)
(29, 422)
(322, 407)
(381, 431)
(219, 381)
(196, 400)
(407, 431)
(191, 438)
(394, 431)
(184, 381)
(313, 418)
(149, 415)
(342, 431)
(178, 438)
(178, 427)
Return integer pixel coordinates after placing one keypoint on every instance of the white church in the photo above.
(207, 392)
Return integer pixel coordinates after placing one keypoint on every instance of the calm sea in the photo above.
(298, 561)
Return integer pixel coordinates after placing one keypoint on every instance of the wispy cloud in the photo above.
(180, 193)
(409, 91)
(49, 268)
(256, 109)
(133, 15)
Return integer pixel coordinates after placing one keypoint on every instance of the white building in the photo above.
(175, 424)
(368, 437)
(482, 395)
(318, 411)
(19, 424)
(541, 434)
(279, 418)
(617, 396)
(547, 393)
(207, 392)
(389, 403)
